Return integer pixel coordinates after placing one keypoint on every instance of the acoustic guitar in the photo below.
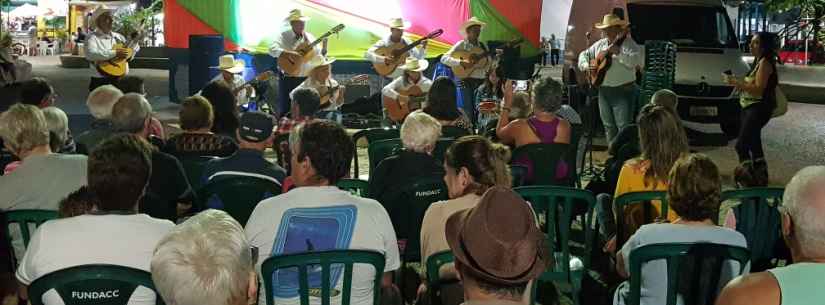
(117, 67)
(264, 76)
(477, 57)
(398, 53)
(331, 93)
(396, 110)
(291, 63)
(602, 63)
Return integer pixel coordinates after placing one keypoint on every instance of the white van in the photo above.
(707, 46)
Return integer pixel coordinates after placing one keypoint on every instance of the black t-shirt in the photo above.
(167, 186)
(402, 169)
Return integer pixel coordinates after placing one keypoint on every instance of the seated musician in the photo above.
(397, 27)
(232, 75)
(403, 94)
(331, 94)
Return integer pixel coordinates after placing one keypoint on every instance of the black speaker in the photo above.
(204, 51)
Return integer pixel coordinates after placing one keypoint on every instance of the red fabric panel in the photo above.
(179, 24)
(428, 15)
(524, 15)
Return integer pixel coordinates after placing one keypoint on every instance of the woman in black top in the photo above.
(441, 104)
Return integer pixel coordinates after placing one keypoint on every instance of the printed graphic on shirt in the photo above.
(311, 229)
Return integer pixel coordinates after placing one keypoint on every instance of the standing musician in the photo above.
(100, 46)
(400, 95)
(287, 43)
(618, 91)
(331, 93)
(397, 27)
(231, 70)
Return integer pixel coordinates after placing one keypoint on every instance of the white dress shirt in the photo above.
(623, 69)
(417, 52)
(322, 87)
(288, 41)
(464, 45)
(391, 89)
(100, 46)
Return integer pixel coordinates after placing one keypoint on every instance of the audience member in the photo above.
(225, 108)
(441, 104)
(37, 92)
(205, 261)
(196, 118)
(135, 84)
(254, 136)
(419, 134)
(57, 122)
(168, 185)
(116, 234)
(78, 203)
(626, 143)
(694, 192)
(304, 106)
(100, 103)
(522, 107)
(489, 91)
(802, 227)
(309, 217)
(498, 248)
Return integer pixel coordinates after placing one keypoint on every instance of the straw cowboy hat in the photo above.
(415, 65)
(99, 12)
(398, 23)
(470, 22)
(296, 15)
(229, 64)
(320, 61)
(611, 20)
(498, 240)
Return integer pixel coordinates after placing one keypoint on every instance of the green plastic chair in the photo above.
(325, 260)
(24, 218)
(356, 187)
(454, 132)
(627, 199)
(545, 157)
(434, 280)
(103, 284)
(237, 195)
(379, 150)
(406, 207)
(518, 172)
(701, 277)
(373, 135)
(193, 168)
(759, 220)
(556, 206)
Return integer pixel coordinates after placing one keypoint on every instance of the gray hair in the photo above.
(547, 94)
(666, 98)
(420, 132)
(130, 112)
(804, 201)
(23, 127)
(101, 100)
(206, 260)
(57, 122)
(521, 107)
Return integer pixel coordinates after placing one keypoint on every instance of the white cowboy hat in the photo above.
(99, 12)
(415, 65)
(296, 14)
(611, 20)
(229, 64)
(470, 22)
(320, 61)
(398, 23)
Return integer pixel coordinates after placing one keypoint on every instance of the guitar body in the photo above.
(291, 63)
(392, 51)
(115, 67)
(477, 58)
(603, 62)
(396, 111)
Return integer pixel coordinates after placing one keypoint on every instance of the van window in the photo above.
(685, 25)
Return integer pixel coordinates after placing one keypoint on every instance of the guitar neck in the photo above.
(411, 46)
(319, 39)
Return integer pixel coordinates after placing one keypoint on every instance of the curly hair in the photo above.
(485, 161)
(328, 147)
(695, 188)
(662, 140)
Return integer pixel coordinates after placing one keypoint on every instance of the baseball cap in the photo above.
(255, 126)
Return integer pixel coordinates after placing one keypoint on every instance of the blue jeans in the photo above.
(616, 108)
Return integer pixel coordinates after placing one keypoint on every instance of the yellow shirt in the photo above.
(632, 179)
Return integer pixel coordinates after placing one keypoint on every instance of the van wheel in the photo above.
(730, 128)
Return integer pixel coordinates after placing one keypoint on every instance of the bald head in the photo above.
(131, 113)
(804, 201)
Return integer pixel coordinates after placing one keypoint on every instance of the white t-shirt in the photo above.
(125, 240)
(321, 218)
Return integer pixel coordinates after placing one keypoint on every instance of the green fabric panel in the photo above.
(498, 27)
(222, 15)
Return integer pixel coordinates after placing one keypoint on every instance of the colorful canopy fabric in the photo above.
(253, 24)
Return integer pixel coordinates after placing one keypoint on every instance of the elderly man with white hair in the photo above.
(58, 123)
(100, 103)
(804, 231)
(419, 134)
(207, 260)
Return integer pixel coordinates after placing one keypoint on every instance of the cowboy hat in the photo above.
(320, 61)
(398, 23)
(415, 65)
(99, 12)
(498, 239)
(611, 20)
(296, 15)
(470, 22)
(229, 64)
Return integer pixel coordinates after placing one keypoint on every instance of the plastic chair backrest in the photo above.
(193, 168)
(273, 266)
(571, 156)
(103, 284)
(627, 199)
(237, 195)
(372, 135)
(545, 157)
(518, 172)
(441, 147)
(704, 284)
(379, 150)
(554, 207)
(406, 207)
(356, 187)
(454, 132)
(434, 264)
(759, 220)
(24, 218)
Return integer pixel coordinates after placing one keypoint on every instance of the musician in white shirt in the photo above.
(618, 91)
(331, 94)
(397, 27)
(287, 43)
(471, 30)
(411, 77)
(231, 74)
(100, 46)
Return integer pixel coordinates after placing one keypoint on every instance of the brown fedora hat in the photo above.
(498, 239)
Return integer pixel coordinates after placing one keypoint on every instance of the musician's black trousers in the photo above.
(100, 81)
(468, 93)
(288, 83)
